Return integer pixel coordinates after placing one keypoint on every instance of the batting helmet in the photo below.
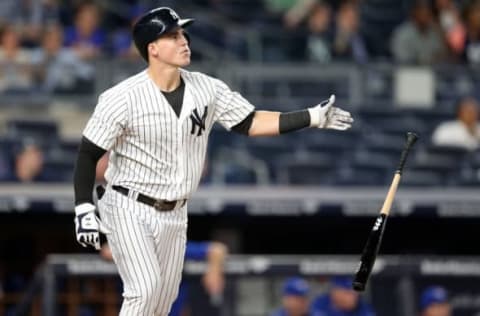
(154, 24)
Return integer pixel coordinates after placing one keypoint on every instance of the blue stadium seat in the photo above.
(306, 169)
(372, 160)
(220, 137)
(468, 177)
(360, 176)
(328, 141)
(422, 178)
(7, 147)
(235, 166)
(437, 161)
(385, 144)
(57, 171)
(398, 125)
(269, 148)
(42, 132)
(455, 154)
(469, 174)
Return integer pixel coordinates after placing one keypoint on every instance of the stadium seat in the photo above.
(269, 148)
(334, 142)
(389, 146)
(305, 168)
(422, 178)
(468, 176)
(427, 159)
(42, 132)
(234, 166)
(6, 159)
(360, 176)
(57, 171)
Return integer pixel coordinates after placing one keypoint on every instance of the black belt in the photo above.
(159, 205)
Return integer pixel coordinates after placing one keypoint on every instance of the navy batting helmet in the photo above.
(154, 24)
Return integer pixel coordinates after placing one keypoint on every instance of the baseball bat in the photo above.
(374, 240)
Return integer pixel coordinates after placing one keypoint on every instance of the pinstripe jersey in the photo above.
(152, 150)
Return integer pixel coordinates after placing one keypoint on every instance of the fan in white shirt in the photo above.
(463, 132)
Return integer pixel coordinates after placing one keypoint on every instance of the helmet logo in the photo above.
(174, 15)
(158, 22)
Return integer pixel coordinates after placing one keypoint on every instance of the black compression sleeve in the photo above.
(85, 167)
(293, 121)
(244, 126)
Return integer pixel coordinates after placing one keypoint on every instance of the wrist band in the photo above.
(293, 121)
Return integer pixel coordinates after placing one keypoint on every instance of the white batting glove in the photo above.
(325, 115)
(88, 226)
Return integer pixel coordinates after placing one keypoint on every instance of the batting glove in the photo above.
(325, 115)
(88, 226)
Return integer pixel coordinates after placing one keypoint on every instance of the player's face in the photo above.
(172, 49)
(344, 299)
(438, 310)
(295, 305)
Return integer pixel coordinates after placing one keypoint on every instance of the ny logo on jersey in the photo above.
(198, 121)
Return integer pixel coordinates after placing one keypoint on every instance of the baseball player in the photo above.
(156, 125)
(341, 300)
(295, 299)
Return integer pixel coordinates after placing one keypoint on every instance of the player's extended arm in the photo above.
(87, 224)
(323, 115)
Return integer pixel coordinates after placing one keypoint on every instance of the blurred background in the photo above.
(299, 205)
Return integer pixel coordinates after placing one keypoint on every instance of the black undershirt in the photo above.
(175, 97)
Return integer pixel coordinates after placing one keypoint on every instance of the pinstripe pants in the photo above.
(148, 248)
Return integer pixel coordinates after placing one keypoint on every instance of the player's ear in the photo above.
(152, 49)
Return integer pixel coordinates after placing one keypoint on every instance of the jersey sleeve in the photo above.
(196, 250)
(108, 121)
(230, 107)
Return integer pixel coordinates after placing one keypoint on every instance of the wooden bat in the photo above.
(372, 246)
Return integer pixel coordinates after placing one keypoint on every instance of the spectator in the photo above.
(341, 300)
(29, 164)
(291, 12)
(319, 37)
(122, 43)
(86, 37)
(434, 302)
(213, 280)
(471, 53)
(463, 132)
(295, 298)
(452, 26)
(348, 44)
(419, 40)
(29, 16)
(16, 73)
(59, 69)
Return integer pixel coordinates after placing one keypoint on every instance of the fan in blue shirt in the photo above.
(295, 298)
(213, 279)
(341, 300)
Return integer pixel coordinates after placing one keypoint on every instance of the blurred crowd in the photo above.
(298, 299)
(421, 32)
(49, 45)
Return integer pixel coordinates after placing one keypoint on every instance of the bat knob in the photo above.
(359, 287)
